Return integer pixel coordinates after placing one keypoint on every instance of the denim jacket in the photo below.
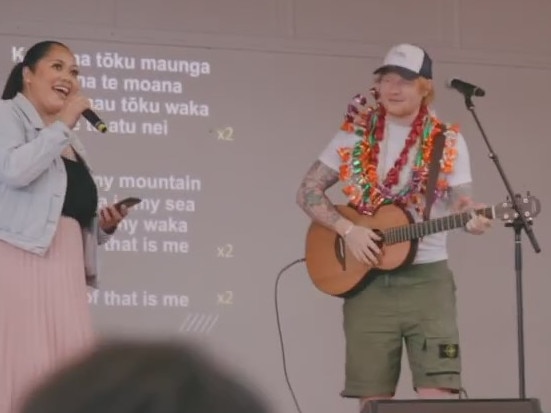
(33, 181)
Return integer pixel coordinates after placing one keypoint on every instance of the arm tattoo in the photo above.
(458, 193)
(311, 194)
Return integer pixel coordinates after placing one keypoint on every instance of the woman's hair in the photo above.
(134, 377)
(14, 84)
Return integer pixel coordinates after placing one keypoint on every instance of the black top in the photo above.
(81, 195)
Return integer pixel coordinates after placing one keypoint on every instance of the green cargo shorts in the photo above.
(414, 306)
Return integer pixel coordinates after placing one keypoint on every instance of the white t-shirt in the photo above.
(432, 247)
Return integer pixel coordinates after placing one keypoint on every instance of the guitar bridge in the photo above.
(340, 251)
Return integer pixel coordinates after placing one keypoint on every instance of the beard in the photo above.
(402, 110)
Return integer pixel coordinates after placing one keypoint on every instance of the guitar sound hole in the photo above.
(381, 242)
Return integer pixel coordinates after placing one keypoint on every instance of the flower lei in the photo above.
(359, 165)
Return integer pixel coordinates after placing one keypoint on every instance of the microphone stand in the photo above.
(519, 223)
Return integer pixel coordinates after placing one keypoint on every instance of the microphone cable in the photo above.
(279, 329)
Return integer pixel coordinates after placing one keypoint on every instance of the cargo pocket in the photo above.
(441, 356)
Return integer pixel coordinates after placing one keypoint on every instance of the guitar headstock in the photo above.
(528, 205)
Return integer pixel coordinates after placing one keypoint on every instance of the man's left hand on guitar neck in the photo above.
(478, 224)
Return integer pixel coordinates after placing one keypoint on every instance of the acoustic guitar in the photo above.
(333, 268)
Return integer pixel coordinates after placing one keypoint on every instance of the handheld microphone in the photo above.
(466, 88)
(94, 119)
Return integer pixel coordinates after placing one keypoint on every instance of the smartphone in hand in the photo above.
(127, 202)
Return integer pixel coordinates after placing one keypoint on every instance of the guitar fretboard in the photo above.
(420, 229)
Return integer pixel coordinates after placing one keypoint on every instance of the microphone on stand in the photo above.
(465, 88)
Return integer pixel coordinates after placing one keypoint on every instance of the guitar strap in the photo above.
(434, 169)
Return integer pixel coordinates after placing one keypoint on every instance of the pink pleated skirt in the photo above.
(45, 319)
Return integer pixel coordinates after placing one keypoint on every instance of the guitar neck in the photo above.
(432, 226)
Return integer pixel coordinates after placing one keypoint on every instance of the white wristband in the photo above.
(348, 230)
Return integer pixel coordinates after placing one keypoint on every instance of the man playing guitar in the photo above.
(382, 155)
